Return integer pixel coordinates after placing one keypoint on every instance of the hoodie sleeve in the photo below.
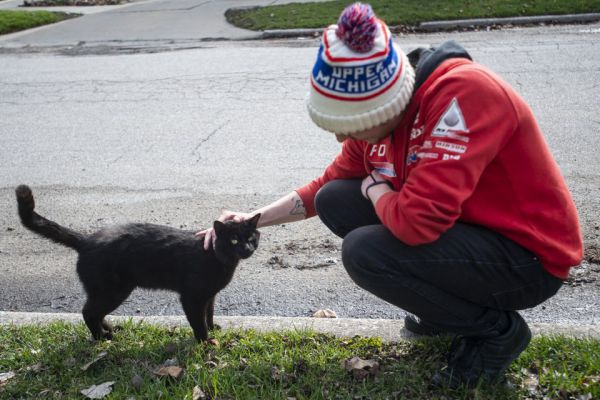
(467, 119)
(348, 164)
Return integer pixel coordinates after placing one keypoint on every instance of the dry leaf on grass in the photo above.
(33, 368)
(98, 391)
(587, 396)
(5, 377)
(326, 313)
(136, 382)
(95, 360)
(360, 368)
(198, 394)
(531, 381)
(172, 371)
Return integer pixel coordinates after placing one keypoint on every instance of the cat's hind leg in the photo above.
(97, 307)
(194, 307)
(93, 318)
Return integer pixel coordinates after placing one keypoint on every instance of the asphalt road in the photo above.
(174, 137)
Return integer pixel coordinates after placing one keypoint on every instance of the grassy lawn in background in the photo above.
(146, 361)
(402, 12)
(14, 21)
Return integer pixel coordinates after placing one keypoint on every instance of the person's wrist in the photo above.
(375, 191)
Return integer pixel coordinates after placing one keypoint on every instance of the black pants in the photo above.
(460, 283)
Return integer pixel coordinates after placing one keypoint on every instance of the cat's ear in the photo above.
(219, 227)
(254, 221)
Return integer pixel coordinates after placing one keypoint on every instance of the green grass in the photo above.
(402, 12)
(47, 361)
(14, 21)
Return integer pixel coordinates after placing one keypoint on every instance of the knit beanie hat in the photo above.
(361, 78)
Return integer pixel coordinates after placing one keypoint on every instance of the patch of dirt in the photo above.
(305, 254)
(277, 262)
(295, 246)
(592, 253)
(328, 262)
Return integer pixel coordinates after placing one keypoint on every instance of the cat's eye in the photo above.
(234, 241)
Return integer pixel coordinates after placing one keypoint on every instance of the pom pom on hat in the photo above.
(361, 78)
(357, 27)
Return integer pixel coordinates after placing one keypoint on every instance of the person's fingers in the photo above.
(226, 216)
(232, 216)
(210, 235)
(208, 238)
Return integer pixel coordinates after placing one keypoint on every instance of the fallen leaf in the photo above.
(98, 391)
(326, 313)
(198, 394)
(5, 377)
(280, 375)
(531, 382)
(95, 360)
(213, 342)
(136, 382)
(275, 373)
(360, 368)
(172, 371)
(34, 368)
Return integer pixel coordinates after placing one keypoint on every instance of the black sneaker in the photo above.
(473, 359)
(416, 325)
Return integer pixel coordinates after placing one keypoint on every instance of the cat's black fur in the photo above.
(115, 260)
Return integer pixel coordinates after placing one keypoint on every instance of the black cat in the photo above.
(115, 260)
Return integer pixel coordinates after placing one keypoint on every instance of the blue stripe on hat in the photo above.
(357, 79)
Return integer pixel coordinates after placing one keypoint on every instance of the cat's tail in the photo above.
(42, 226)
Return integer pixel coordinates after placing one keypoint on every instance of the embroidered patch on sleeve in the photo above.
(452, 123)
(451, 147)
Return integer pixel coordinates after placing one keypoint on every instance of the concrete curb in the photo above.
(389, 330)
(436, 26)
(481, 22)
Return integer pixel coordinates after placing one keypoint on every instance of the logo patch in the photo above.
(452, 147)
(416, 132)
(450, 157)
(385, 168)
(433, 156)
(452, 123)
(411, 157)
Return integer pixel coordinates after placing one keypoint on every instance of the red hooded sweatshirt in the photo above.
(468, 149)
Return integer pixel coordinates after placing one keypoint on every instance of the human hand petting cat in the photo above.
(374, 186)
(210, 235)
